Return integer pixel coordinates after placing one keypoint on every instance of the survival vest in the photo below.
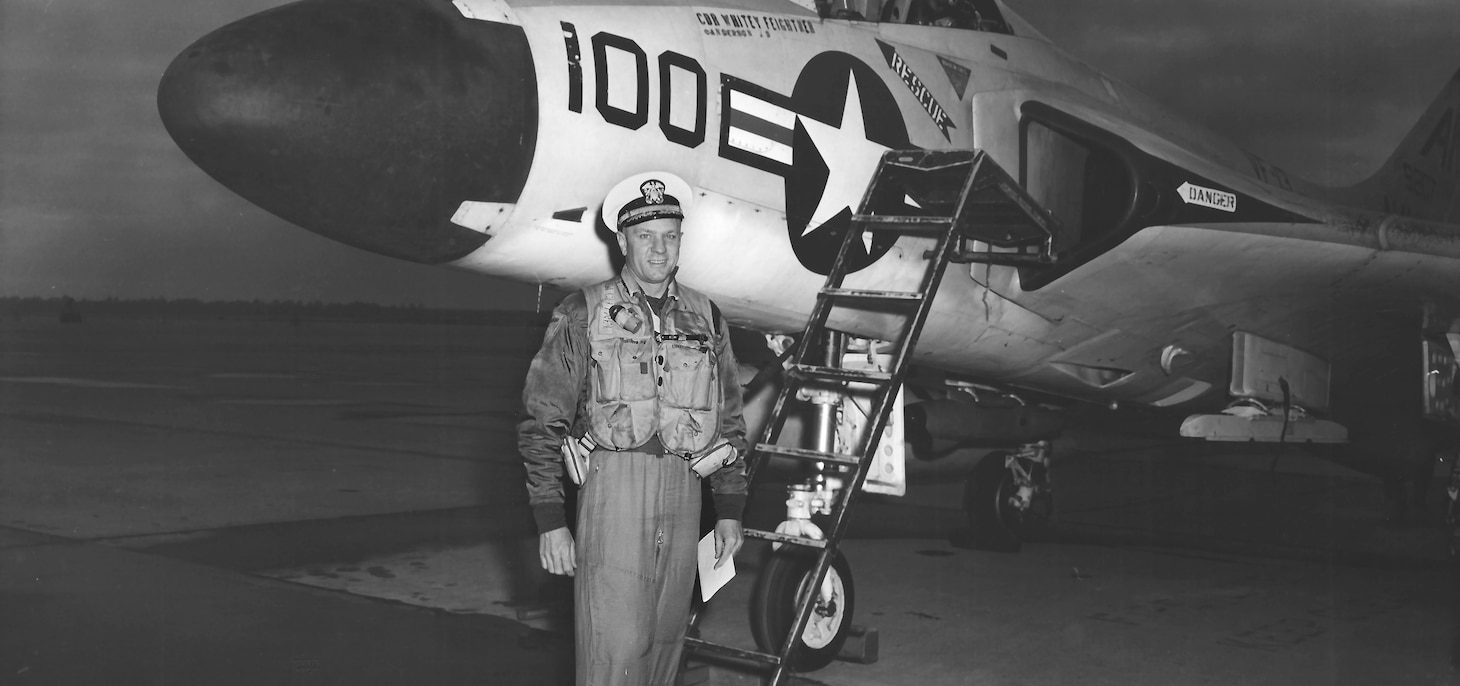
(658, 378)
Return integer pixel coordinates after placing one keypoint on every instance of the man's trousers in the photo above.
(638, 529)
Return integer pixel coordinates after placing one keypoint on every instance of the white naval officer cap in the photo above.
(645, 196)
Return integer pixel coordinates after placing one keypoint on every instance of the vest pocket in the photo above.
(690, 371)
(605, 373)
(687, 431)
(621, 426)
(622, 370)
(636, 371)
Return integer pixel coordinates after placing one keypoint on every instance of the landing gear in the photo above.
(1008, 496)
(773, 607)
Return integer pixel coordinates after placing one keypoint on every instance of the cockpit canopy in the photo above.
(974, 15)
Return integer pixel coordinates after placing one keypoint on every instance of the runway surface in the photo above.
(222, 502)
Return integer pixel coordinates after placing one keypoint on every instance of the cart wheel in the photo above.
(781, 584)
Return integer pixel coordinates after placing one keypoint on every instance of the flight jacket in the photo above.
(555, 398)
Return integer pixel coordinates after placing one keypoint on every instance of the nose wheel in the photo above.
(782, 582)
(1007, 497)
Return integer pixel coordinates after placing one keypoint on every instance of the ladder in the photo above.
(957, 198)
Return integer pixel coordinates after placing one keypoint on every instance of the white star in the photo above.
(850, 158)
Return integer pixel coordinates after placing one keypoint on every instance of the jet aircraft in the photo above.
(1182, 273)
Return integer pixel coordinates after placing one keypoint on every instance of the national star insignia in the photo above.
(850, 158)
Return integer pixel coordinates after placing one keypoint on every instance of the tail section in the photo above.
(1422, 177)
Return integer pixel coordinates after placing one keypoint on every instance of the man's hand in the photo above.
(555, 549)
(727, 540)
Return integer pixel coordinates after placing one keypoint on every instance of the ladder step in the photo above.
(785, 538)
(902, 223)
(1003, 259)
(808, 371)
(930, 160)
(897, 297)
(995, 213)
(1006, 235)
(702, 646)
(808, 455)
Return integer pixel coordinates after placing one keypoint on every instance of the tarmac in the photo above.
(227, 502)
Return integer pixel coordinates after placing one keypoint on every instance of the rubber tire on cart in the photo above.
(773, 608)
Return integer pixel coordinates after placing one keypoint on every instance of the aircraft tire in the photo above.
(993, 523)
(773, 608)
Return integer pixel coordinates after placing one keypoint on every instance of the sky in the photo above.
(96, 201)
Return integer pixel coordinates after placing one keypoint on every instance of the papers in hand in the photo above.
(712, 579)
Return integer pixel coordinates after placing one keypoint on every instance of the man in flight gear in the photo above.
(642, 366)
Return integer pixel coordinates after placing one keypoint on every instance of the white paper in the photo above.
(712, 579)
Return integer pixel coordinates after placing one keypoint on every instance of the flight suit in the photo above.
(639, 507)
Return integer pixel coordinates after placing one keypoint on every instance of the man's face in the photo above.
(651, 249)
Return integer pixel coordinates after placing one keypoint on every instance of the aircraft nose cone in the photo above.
(366, 121)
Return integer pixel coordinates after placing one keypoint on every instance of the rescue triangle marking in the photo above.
(957, 75)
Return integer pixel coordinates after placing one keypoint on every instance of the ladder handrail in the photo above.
(882, 404)
(981, 174)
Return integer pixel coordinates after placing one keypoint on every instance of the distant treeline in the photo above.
(71, 310)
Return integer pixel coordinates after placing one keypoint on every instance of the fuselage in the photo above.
(486, 137)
